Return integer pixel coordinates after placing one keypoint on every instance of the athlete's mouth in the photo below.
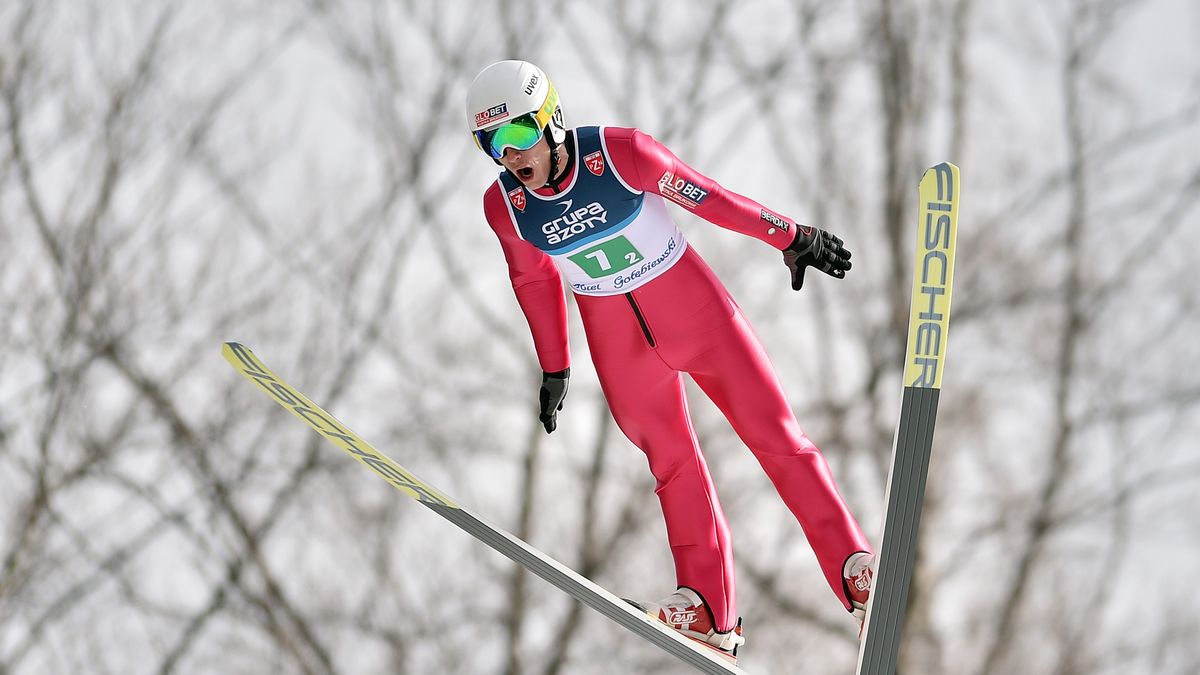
(525, 172)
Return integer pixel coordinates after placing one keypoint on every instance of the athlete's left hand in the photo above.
(814, 247)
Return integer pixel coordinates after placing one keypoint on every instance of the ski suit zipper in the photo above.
(637, 311)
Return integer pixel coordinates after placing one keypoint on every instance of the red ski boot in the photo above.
(858, 574)
(684, 611)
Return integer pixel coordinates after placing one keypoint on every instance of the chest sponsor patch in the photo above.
(574, 222)
(595, 162)
(517, 197)
(681, 191)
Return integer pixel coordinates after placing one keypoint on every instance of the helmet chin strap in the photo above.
(555, 161)
(558, 162)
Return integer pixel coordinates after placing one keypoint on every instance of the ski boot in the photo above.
(858, 574)
(686, 612)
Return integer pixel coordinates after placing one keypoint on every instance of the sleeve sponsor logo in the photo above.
(775, 220)
(595, 163)
(516, 197)
(491, 115)
(681, 191)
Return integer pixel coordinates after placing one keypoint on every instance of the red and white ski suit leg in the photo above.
(692, 325)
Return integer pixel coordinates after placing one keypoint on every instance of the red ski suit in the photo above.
(682, 320)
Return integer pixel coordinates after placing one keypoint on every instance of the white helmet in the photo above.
(513, 91)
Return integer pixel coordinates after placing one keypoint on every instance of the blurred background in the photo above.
(297, 176)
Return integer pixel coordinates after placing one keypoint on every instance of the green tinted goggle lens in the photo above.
(520, 134)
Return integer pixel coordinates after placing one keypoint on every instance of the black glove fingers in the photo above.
(814, 247)
(549, 420)
(830, 262)
(841, 259)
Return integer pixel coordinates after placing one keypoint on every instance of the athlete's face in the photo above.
(532, 166)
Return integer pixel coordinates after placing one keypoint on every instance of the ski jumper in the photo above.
(651, 310)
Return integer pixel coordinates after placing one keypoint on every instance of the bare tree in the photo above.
(296, 176)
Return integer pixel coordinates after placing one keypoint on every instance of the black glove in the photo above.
(554, 390)
(814, 247)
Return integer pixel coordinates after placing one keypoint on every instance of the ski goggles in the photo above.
(523, 132)
(520, 134)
